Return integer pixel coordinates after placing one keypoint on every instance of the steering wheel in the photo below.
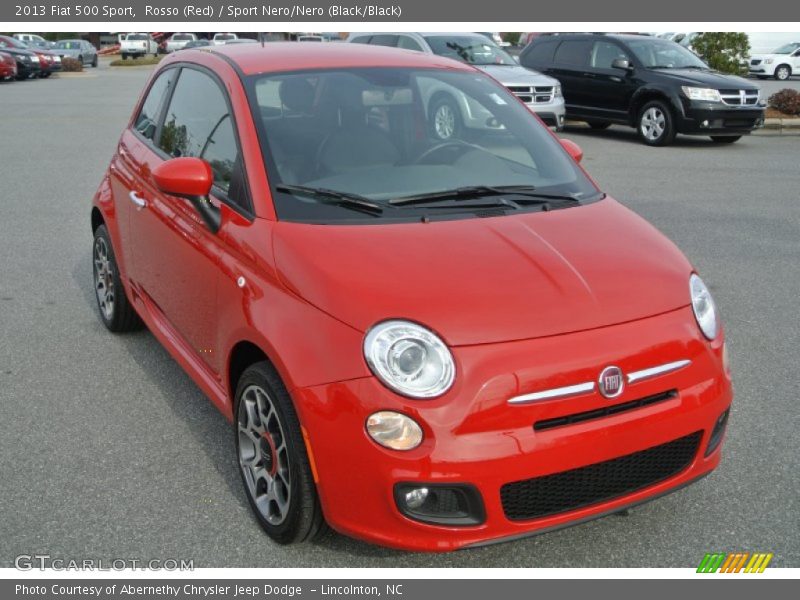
(455, 147)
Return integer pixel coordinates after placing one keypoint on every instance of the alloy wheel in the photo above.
(444, 121)
(263, 455)
(653, 123)
(782, 73)
(104, 278)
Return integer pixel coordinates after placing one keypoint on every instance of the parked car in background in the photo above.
(780, 63)
(197, 44)
(494, 37)
(220, 39)
(80, 50)
(28, 65)
(32, 38)
(541, 94)
(428, 345)
(8, 66)
(49, 61)
(135, 45)
(657, 86)
(178, 41)
(241, 41)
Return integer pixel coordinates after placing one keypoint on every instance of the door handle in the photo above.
(139, 202)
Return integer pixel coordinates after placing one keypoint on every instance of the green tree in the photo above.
(724, 51)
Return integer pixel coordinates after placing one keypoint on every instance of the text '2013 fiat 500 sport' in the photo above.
(428, 345)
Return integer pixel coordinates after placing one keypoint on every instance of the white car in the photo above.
(134, 45)
(220, 39)
(780, 63)
(30, 37)
(540, 93)
(178, 41)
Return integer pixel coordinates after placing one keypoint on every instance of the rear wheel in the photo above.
(124, 56)
(94, 61)
(655, 124)
(273, 461)
(783, 72)
(115, 311)
(726, 139)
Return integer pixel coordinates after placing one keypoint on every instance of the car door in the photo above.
(570, 61)
(176, 256)
(796, 62)
(609, 89)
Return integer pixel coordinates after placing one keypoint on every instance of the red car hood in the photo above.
(478, 281)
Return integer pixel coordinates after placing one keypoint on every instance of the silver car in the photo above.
(79, 49)
(542, 94)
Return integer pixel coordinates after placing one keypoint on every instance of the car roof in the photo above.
(276, 57)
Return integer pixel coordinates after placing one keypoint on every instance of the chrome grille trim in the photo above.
(739, 97)
(562, 392)
(656, 371)
(589, 386)
(532, 94)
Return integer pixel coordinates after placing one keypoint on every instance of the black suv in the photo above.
(654, 85)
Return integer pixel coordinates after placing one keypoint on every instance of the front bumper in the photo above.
(474, 437)
(552, 113)
(713, 118)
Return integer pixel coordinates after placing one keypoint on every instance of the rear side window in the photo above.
(384, 40)
(147, 121)
(540, 54)
(362, 39)
(198, 123)
(573, 53)
(408, 43)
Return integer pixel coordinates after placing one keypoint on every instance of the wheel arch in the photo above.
(97, 219)
(647, 94)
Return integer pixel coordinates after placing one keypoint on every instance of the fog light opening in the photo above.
(704, 124)
(718, 432)
(440, 504)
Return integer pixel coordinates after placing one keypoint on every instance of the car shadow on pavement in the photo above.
(208, 426)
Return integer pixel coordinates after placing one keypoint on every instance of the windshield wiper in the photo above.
(531, 196)
(326, 196)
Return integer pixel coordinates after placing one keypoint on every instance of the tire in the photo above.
(273, 462)
(726, 139)
(80, 59)
(445, 118)
(655, 124)
(124, 56)
(783, 72)
(599, 125)
(94, 62)
(115, 310)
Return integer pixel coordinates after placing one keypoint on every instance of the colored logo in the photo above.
(611, 382)
(735, 562)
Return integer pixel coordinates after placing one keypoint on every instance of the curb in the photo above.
(779, 126)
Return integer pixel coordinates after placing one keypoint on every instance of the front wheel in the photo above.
(94, 61)
(116, 311)
(444, 118)
(655, 124)
(783, 72)
(726, 139)
(272, 457)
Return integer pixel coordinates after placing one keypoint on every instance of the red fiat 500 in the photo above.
(424, 344)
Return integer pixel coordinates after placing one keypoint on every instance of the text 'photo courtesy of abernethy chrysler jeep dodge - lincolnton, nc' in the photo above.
(424, 341)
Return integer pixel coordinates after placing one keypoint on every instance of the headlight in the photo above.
(705, 311)
(696, 93)
(409, 359)
(394, 430)
(557, 91)
(768, 61)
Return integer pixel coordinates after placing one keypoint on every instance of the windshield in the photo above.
(136, 37)
(182, 37)
(474, 50)
(224, 36)
(662, 54)
(68, 45)
(384, 134)
(787, 49)
(10, 42)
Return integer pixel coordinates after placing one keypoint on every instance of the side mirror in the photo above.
(190, 178)
(573, 149)
(621, 63)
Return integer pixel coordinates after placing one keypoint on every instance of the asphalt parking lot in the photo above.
(108, 450)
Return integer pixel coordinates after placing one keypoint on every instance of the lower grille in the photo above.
(584, 486)
(532, 94)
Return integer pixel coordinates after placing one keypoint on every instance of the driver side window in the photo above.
(604, 53)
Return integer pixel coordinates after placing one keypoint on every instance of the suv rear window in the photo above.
(573, 53)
